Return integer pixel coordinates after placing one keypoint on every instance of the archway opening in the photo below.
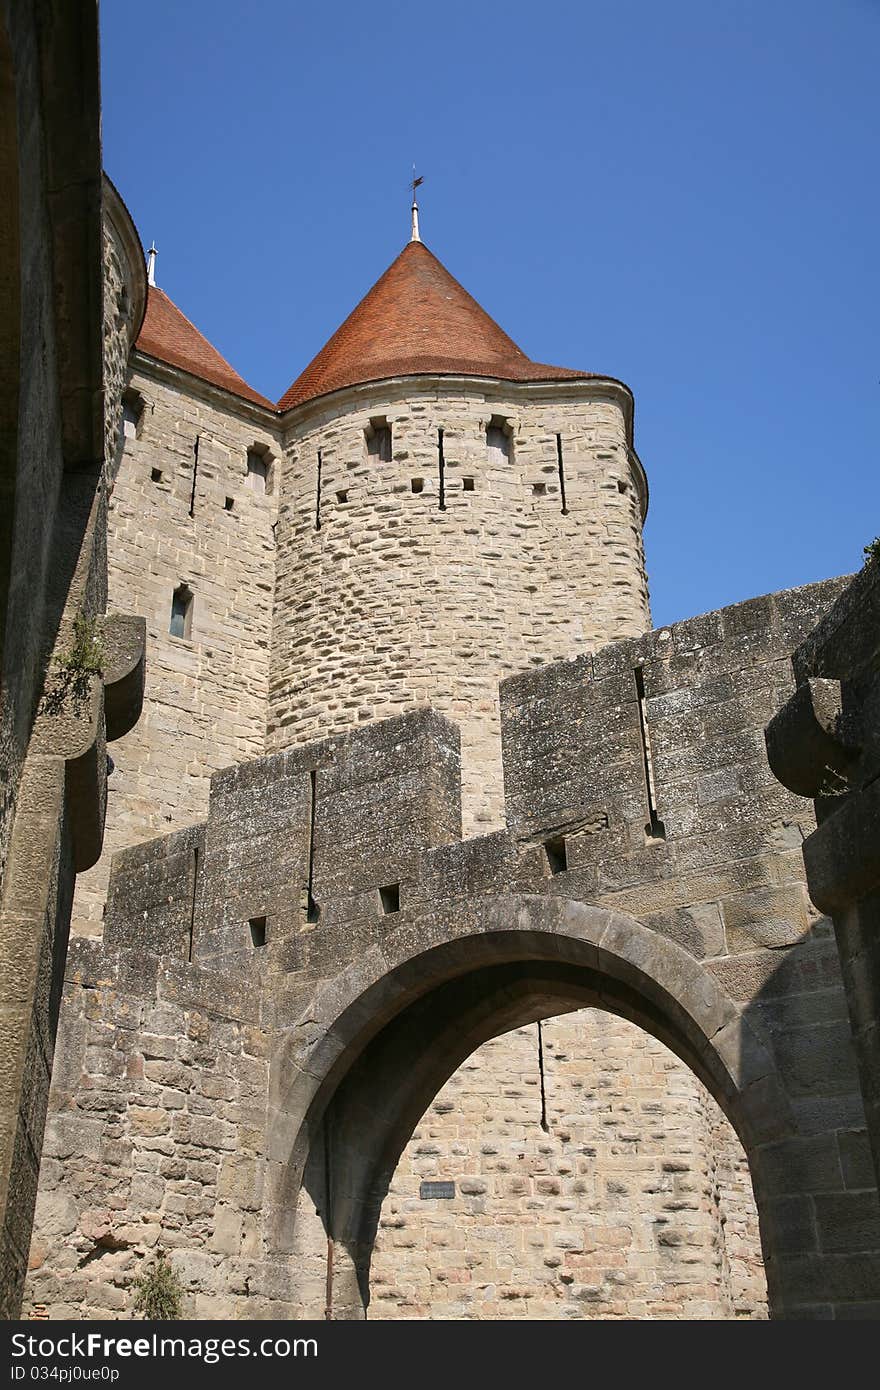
(378, 1064)
(571, 1168)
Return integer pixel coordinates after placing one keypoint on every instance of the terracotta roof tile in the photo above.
(417, 319)
(168, 335)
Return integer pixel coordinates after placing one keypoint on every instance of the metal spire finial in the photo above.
(151, 264)
(415, 207)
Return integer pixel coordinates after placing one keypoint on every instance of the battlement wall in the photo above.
(719, 871)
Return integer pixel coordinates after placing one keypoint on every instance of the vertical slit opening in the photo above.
(192, 906)
(544, 1124)
(258, 931)
(655, 829)
(560, 461)
(192, 496)
(313, 911)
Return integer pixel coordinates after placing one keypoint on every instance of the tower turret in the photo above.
(450, 512)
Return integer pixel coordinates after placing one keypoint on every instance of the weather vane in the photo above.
(415, 207)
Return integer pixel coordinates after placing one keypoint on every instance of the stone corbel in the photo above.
(79, 715)
(807, 746)
(123, 639)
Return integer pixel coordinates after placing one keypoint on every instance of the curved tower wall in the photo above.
(392, 602)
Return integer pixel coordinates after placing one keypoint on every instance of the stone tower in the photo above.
(449, 513)
(425, 512)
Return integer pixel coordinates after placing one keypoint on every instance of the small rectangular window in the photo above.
(155, 475)
(379, 440)
(389, 897)
(417, 484)
(497, 441)
(257, 472)
(557, 856)
(228, 504)
(181, 612)
(258, 931)
(132, 414)
(467, 484)
(342, 497)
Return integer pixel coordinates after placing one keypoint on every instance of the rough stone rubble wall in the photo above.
(157, 1133)
(635, 1203)
(205, 699)
(118, 326)
(395, 603)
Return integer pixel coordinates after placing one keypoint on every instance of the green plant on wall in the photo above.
(158, 1292)
(86, 656)
(872, 551)
(74, 669)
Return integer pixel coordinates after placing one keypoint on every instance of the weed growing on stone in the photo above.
(158, 1292)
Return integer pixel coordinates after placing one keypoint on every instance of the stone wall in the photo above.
(605, 1183)
(205, 700)
(825, 744)
(68, 682)
(362, 996)
(395, 602)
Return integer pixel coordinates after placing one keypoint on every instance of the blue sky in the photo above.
(681, 194)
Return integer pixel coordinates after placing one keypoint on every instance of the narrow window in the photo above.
(539, 489)
(342, 497)
(313, 911)
(258, 931)
(561, 465)
(379, 440)
(498, 443)
(257, 476)
(132, 414)
(557, 857)
(621, 486)
(192, 904)
(389, 897)
(467, 484)
(181, 612)
(155, 475)
(228, 504)
(195, 481)
(417, 484)
(655, 829)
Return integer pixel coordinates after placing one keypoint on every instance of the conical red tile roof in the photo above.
(168, 335)
(417, 319)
